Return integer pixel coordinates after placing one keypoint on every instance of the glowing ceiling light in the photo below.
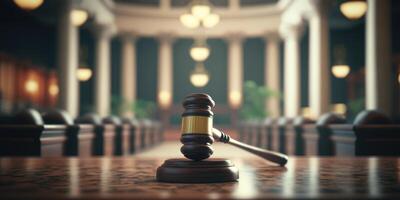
(189, 21)
(84, 73)
(199, 51)
(31, 86)
(306, 112)
(199, 76)
(79, 17)
(201, 9)
(340, 71)
(354, 9)
(211, 20)
(28, 4)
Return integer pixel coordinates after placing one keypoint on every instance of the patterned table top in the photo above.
(134, 178)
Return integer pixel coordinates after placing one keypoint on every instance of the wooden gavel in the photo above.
(198, 133)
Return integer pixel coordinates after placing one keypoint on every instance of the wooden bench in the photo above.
(253, 135)
(145, 133)
(242, 126)
(103, 143)
(159, 132)
(266, 133)
(121, 135)
(371, 134)
(79, 137)
(294, 136)
(283, 123)
(317, 137)
(25, 134)
(133, 126)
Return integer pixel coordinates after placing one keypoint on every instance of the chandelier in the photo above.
(353, 9)
(340, 69)
(199, 76)
(199, 15)
(199, 51)
(28, 4)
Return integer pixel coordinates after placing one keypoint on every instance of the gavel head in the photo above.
(197, 124)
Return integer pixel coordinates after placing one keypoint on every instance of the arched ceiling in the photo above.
(180, 3)
(251, 20)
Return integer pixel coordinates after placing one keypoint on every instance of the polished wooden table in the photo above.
(134, 178)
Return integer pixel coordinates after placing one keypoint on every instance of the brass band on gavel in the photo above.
(197, 125)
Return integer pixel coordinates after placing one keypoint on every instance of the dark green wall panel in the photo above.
(253, 60)
(116, 67)
(147, 59)
(86, 88)
(354, 43)
(304, 49)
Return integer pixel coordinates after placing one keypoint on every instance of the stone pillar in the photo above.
(292, 98)
(378, 83)
(234, 5)
(68, 60)
(128, 80)
(103, 70)
(165, 72)
(272, 75)
(235, 71)
(165, 5)
(319, 75)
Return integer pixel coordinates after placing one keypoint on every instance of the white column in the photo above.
(128, 72)
(235, 71)
(271, 70)
(68, 55)
(319, 76)
(234, 5)
(165, 5)
(165, 75)
(103, 70)
(292, 100)
(378, 52)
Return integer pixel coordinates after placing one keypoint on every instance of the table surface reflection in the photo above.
(134, 178)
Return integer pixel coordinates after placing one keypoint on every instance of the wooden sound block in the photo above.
(205, 171)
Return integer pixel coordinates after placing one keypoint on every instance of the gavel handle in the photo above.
(272, 156)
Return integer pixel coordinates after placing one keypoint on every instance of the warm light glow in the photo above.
(339, 108)
(189, 21)
(199, 52)
(211, 20)
(235, 98)
(398, 78)
(199, 79)
(32, 86)
(199, 76)
(79, 17)
(354, 9)
(340, 71)
(201, 10)
(53, 89)
(84, 74)
(28, 4)
(306, 112)
(164, 99)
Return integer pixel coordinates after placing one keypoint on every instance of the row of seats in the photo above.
(55, 133)
(371, 133)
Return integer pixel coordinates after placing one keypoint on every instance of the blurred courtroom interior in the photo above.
(108, 77)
